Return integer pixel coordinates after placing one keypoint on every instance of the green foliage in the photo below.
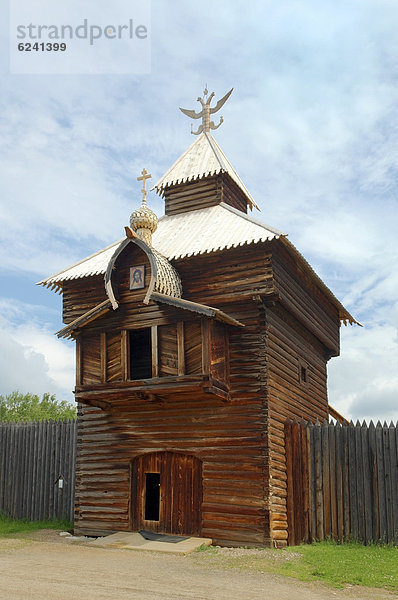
(9, 526)
(29, 407)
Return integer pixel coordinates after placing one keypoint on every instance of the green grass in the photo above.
(350, 563)
(9, 526)
(334, 564)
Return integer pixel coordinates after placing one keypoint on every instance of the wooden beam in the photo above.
(124, 355)
(180, 348)
(103, 356)
(205, 346)
(78, 362)
(155, 353)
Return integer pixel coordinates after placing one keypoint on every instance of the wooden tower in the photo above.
(197, 335)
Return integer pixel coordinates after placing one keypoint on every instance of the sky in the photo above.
(311, 128)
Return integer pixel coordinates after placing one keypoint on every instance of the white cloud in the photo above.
(33, 359)
(363, 382)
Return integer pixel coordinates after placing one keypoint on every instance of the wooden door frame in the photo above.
(170, 460)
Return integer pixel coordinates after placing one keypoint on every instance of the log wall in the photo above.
(277, 369)
(304, 299)
(290, 348)
(203, 193)
(80, 295)
(228, 437)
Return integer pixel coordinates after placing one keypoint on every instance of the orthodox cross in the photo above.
(143, 178)
(206, 112)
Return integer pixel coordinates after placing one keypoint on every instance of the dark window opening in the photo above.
(152, 496)
(303, 374)
(140, 354)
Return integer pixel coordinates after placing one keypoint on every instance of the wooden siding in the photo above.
(90, 349)
(80, 295)
(113, 356)
(304, 299)
(192, 196)
(168, 351)
(231, 194)
(227, 276)
(289, 347)
(193, 348)
(203, 193)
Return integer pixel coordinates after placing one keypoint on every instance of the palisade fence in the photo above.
(37, 469)
(342, 482)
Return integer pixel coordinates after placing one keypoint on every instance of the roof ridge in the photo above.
(216, 150)
(156, 186)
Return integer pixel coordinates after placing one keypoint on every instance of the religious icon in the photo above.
(137, 277)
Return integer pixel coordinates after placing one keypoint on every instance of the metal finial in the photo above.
(206, 112)
(145, 176)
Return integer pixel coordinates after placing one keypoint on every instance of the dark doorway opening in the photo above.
(140, 354)
(152, 496)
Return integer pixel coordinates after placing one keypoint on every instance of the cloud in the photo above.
(33, 360)
(363, 381)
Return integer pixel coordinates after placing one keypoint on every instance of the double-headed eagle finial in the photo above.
(206, 112)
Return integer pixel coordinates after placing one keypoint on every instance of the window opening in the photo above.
(303, 372)
(152, 496)
(140, 354)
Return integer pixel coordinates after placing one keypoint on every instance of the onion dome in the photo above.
(143, 221)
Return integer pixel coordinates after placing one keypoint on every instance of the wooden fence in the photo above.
(342, 482)
(37, 469)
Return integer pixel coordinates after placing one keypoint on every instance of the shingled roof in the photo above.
(203, 158)
(177, 236)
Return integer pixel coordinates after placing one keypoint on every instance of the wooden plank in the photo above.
(291, 540)
(359, 475)
(205, 346)
(79, 380)
(346, 482)
(339, 481)
(326, 480)
(333, 481)
(124, 355)
(367, 485)
(372, 459)
(320, 532)
(381, 487)
(387, 477)
(181, 348)
(103, 356)
(155, 353)
(394, 480)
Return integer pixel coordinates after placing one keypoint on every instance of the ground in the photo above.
(45, 566)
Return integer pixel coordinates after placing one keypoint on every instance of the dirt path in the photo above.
(47, 567)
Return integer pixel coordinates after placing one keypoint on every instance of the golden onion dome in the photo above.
(144, 222)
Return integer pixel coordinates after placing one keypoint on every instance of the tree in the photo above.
(29, 407)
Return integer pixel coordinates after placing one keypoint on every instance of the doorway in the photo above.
(167, 493)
